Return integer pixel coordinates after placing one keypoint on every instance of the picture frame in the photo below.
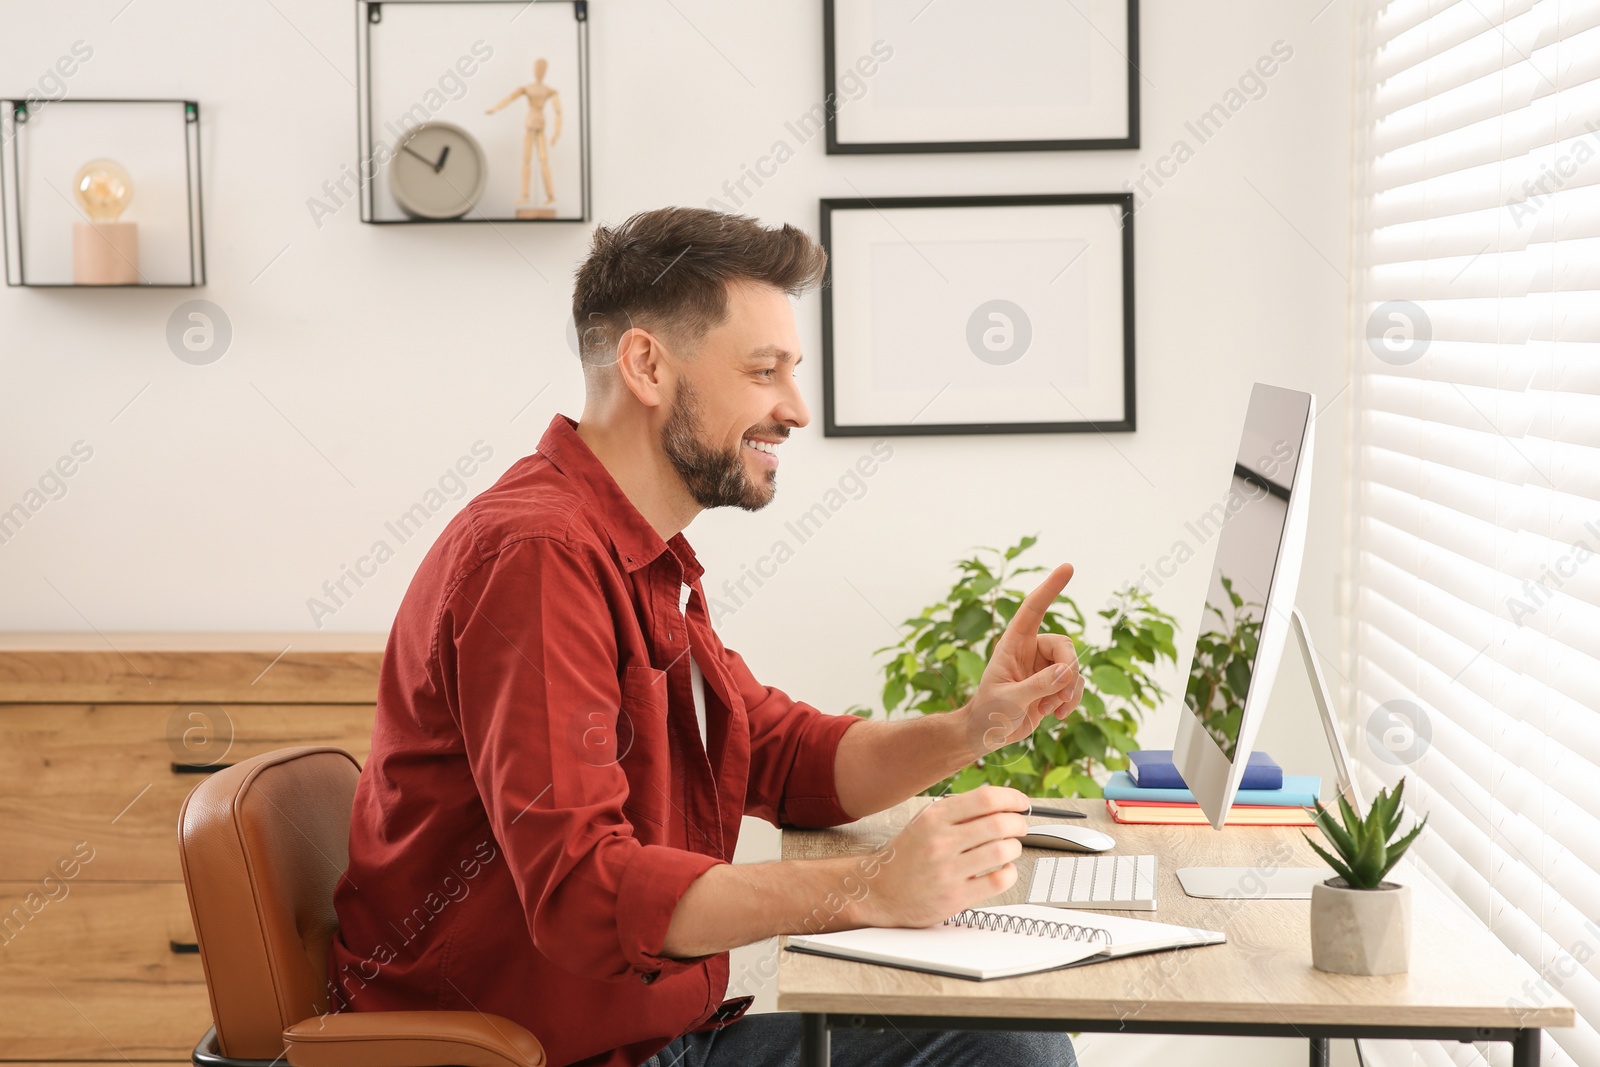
(905, 76)
(428, 74)
(933, 306)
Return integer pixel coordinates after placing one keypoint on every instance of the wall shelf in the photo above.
(43, 143)
(428, 73)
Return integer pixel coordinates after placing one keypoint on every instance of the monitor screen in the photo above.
(1254, 520)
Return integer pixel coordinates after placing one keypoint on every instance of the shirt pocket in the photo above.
(642, 750)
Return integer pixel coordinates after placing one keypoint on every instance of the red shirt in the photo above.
(538, 798)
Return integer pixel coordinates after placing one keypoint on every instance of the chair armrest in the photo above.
(411, 1039)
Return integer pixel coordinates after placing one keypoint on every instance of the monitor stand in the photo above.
(1277, 883)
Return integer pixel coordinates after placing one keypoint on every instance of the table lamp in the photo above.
(105, 250)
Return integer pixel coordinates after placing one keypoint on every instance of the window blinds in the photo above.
(1474, 638)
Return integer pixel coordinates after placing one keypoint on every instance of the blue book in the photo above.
(1299, 791)
(1152, 768)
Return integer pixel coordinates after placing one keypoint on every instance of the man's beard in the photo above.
(715, 479)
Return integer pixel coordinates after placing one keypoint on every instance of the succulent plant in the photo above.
(1366, 846)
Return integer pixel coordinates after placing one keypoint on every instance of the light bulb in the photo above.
(104, 188)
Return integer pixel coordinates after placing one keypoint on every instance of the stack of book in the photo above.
(1151, 791)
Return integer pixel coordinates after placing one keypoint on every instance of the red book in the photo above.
(1150, 812)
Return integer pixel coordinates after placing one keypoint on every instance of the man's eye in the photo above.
(767, 371)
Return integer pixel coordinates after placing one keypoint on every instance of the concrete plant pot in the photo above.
(1360, 931)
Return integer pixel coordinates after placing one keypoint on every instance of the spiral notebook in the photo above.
(1005, 941)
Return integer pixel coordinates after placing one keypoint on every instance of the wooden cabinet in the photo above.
(101, 738)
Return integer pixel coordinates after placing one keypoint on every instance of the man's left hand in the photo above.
(1030, 675)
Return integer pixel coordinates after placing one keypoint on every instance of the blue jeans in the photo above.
(772, 1039)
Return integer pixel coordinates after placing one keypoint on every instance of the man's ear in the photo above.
(642, 366)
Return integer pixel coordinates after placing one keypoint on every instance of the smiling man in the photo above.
(563, 748)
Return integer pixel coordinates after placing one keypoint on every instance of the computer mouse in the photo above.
(1069, 838)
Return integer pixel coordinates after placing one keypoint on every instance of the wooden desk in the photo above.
(1463, 983)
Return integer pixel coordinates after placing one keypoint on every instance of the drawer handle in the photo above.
(184, 948)
(198, 768)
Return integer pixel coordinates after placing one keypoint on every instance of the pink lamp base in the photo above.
(105, 253)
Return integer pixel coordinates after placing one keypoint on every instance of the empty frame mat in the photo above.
(978, 315)
(975, 75)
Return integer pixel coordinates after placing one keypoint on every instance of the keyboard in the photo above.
(1111, 883)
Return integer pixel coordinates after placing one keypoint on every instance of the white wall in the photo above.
(366, 360)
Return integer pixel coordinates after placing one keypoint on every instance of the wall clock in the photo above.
(438, 171)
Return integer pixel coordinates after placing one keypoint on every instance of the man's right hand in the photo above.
(954, 854)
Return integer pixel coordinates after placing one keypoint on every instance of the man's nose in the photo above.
(793, 411)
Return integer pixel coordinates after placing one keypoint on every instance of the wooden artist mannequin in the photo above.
(538, 94)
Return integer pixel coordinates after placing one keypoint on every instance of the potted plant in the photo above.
(1361, 924)
(936, 667)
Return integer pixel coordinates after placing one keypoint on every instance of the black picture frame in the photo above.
(837, 148)
(1127, 424)
(14, 113)
(370, 13)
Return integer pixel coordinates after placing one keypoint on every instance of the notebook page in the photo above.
(956, 950)
(1127, 935)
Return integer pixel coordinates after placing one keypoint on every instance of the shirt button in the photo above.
(648, 977)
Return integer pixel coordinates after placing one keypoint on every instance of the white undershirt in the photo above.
(697, 681)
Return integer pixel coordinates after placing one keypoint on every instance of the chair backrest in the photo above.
(263, 844)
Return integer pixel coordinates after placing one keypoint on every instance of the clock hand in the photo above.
(443, 155)
(419, 155)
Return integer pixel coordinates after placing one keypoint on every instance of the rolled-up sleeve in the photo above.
(535, 669)
(792, 750)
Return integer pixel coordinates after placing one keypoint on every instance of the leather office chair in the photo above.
(263, 844)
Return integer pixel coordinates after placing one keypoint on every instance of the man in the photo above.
(563, 748)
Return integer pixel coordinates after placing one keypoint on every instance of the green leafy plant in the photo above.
(937, 666)
(1220, 675)
(1366, 846)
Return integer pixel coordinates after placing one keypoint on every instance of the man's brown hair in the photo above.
(669, 269)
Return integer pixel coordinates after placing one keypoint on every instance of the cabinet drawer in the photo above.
(103, 774)
(91, 974)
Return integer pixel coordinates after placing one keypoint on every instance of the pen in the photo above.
(1055, 813)
(1052, 813)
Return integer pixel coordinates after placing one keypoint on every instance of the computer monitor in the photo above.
(1261, 543)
